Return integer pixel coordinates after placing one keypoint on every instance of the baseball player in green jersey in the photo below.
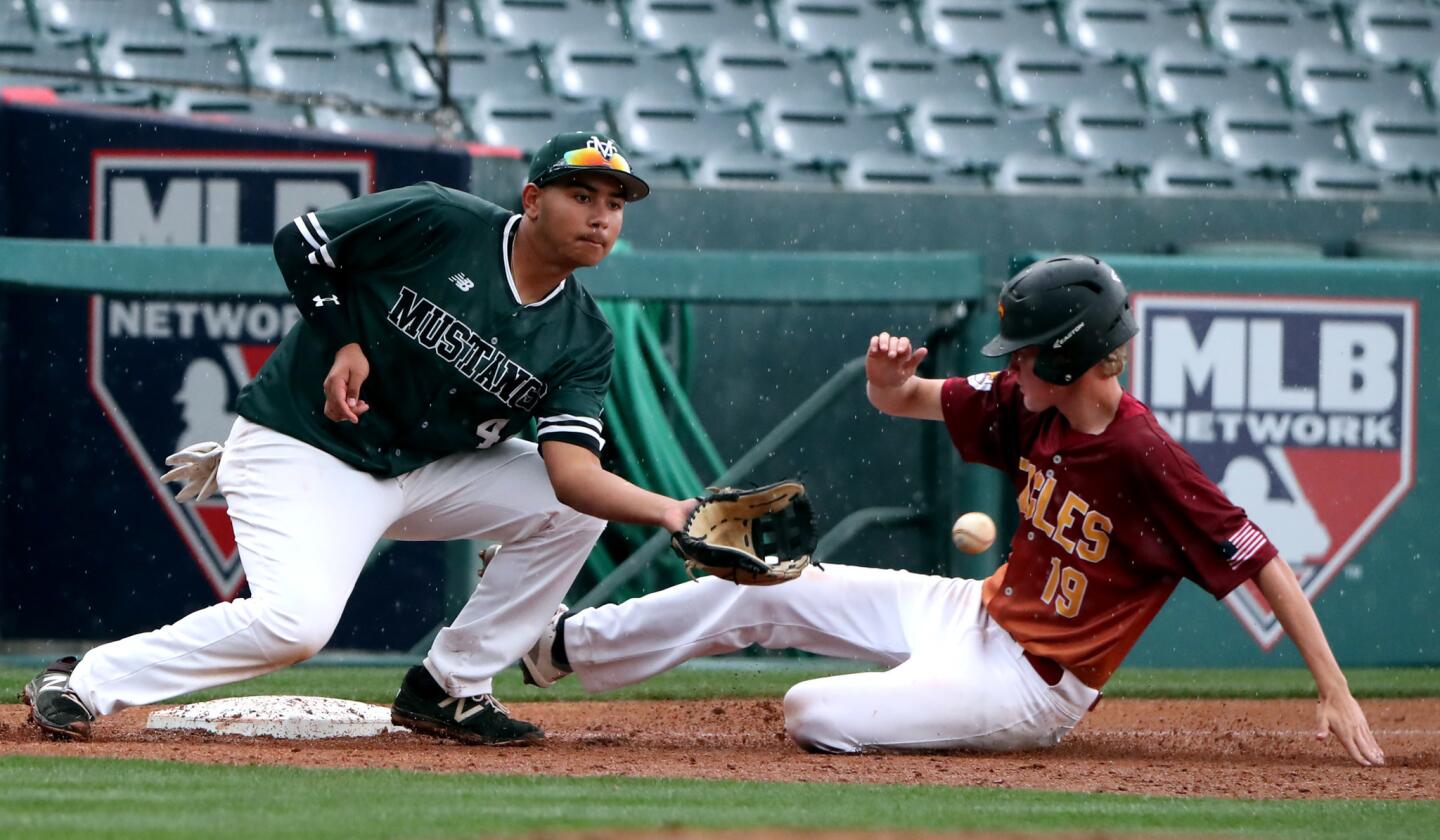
(435, 325)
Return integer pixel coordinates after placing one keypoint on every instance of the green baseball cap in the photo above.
(585, 151)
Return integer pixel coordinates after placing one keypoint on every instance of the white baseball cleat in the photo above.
(538, 664)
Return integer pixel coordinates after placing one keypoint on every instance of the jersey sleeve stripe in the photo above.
(569, 418)
(315, 223)
(325, 255)
(570, 430)
(314, 258)
(305, 232)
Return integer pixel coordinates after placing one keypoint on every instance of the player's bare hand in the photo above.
(1342, 717)
(891, 360)
(678, 514)
(342, 385)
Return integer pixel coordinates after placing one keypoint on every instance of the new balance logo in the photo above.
(461, 713)
(462, 282)
(321, 301)
(53, 682)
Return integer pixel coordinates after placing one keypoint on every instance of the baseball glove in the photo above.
(757, 537)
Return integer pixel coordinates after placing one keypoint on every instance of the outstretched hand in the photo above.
(891, 360)
(1342, 717)
(342, 385)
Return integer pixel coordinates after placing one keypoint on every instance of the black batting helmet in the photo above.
(1073, 308)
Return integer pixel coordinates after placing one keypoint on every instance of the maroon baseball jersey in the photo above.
(1109, 524)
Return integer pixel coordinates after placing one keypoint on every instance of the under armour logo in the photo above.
(606, 148)
(321, 301)
(462, 282)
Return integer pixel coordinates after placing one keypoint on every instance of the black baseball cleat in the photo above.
(423, 706)
(54, 707)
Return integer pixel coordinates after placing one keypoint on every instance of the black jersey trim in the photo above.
(511, 230)
(577, 435)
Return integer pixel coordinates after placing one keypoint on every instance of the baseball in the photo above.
(973, 532)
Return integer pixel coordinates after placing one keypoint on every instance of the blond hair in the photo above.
(1114, 362)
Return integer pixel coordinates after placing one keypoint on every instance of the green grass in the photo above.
(760, 678)
(57, 798)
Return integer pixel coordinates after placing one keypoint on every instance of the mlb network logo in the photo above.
(166, 372)
(1301, 409)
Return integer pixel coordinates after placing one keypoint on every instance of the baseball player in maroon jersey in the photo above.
(1114, 514)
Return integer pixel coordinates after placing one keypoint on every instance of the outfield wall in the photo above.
(1305, 400)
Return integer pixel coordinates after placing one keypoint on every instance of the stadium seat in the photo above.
(300, 19)
(1398, 142)
(1192, 176)
(821, 26)
(171, 57)
(691, 24)
(680, 129)
(1190, 81)
(1130, 28)
(1254, 139)
(1337, 179)
(743, 169)
(889, 77)
(1026, 174)
(1393, 33)
(407, 22)
(1333, 83)
(749, 73)
(225, 107)
(371, 74)
(1272, 30)
(374, 125)
(496, 69)
(21, 50)
(16, 20)
(976, 137)
(891, 172)
(544, 22)
(526, 123)
(985, 27)
(1125, 138)
(1056, 78)
(581, 70)
(100, 16)
(801, 131)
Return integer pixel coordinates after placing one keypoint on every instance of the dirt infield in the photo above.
(1238, 748)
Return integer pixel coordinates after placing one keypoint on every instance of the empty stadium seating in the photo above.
(1320, 100)
(691, 24)
(897, 77)
(1131, 28)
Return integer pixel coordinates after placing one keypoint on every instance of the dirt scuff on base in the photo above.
(1234, 748)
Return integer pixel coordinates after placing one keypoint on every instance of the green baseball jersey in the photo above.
(420, 277)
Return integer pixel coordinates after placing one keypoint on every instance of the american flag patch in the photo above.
(1243, 544)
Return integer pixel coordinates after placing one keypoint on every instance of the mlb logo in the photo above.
(166, 372)
(215, 197)
(1300, 409)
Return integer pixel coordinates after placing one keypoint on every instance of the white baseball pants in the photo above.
(305, 522)
(956, 679)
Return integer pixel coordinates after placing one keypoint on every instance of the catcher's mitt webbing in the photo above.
(761, 536)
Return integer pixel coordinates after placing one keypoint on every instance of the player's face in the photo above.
(580, 218)
(1039, 395)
